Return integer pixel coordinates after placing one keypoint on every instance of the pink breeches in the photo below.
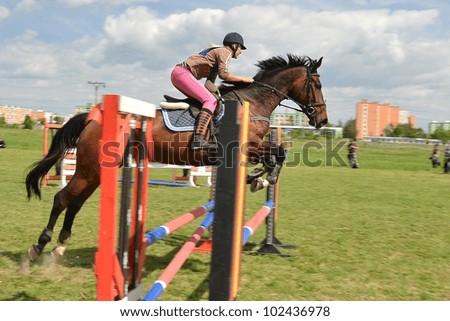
(185, 82)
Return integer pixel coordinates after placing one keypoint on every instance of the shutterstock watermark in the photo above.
(315, 154)
(311, 154)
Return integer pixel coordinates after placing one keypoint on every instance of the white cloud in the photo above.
(4, 13)
(79, 3)
(76, 3)
(382, 54)
(140, 27)
(27, 5)
(29, 60)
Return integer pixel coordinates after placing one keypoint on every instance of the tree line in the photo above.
(401, 130)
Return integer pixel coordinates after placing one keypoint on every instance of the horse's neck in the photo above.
(282, 83)
(262, 101)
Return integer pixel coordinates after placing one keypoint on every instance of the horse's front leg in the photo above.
(255, 156)
(274, 162)
(272, 157)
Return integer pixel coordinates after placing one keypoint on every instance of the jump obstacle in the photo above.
(119, 274)
(68, 166)
(170, 227)
(183, 254)
(177, 262)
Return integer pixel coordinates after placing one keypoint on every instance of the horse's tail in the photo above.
(65, 139)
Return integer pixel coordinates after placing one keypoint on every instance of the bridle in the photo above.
(310, 109)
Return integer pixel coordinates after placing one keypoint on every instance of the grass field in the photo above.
(380, 232)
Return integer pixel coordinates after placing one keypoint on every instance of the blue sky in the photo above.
(390, 51)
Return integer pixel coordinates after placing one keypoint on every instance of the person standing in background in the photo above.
(352, 157)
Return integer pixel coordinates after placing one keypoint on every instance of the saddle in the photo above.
(180, 114)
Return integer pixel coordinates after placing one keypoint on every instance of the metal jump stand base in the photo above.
(270, 248)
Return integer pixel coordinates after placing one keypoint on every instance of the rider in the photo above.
(209, 63)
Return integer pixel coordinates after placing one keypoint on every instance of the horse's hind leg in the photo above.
(46, 236)
(66, 231)
(72, 209)
(71, 198)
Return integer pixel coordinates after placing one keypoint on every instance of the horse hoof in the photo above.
(58, 252)
(258, 184)
(33, 253)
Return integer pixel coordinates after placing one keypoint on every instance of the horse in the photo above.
(294, 78)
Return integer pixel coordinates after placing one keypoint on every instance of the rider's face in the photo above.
(238, 51)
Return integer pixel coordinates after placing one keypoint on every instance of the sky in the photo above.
(390, 51)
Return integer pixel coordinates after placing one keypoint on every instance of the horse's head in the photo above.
(311, 100)
(295, 79)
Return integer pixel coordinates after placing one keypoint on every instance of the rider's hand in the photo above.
(247, 79)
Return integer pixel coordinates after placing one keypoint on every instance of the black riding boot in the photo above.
(199, 141)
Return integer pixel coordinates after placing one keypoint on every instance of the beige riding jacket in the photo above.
(210, 63)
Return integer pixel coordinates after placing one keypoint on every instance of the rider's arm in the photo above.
(223, 56)
(235, 78)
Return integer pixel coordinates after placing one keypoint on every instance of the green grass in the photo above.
(380, 232)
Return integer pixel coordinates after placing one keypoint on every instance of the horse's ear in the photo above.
(319, 63)
(258, 76)
(316, 64)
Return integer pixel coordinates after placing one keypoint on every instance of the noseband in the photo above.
(310, 109)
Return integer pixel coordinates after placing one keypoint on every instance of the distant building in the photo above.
(412, 121)
(435, 125)
(288, 119)
(299, 121)
(372, 118)
(14, 115)
(83, 108)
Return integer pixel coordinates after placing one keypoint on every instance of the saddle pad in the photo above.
(179, 120)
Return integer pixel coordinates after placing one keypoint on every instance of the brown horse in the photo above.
(294, 78)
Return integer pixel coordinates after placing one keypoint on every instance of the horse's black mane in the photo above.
(272, 64)
(281, 62)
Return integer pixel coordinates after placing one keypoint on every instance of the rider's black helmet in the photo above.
(234, 37)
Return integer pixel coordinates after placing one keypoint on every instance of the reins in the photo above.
(254, 117)
(308, 110)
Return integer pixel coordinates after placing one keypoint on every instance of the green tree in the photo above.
(297, 133)
(403, 130)
(349, 129)
(58, 119)
(28, 123)
(389, 131)
(441, 134)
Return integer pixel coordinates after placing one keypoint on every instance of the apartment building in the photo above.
(14, 115)
(435, 125)
(289, 119)
(373, 117)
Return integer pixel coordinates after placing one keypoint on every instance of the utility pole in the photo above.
(96, 85)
